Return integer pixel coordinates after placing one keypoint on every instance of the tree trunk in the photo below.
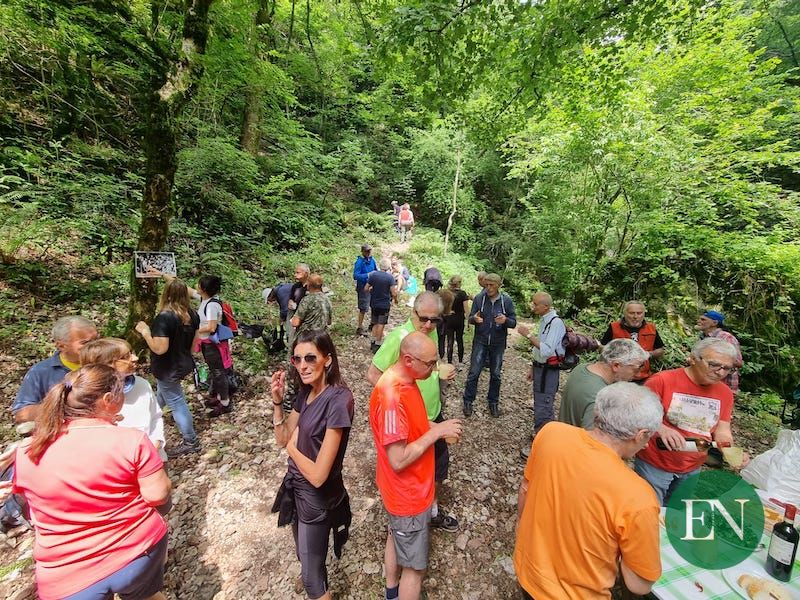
(455, 201)
(171, 92)
(251, 120)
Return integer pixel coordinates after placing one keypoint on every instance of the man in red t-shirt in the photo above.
(404, 441)
(696, 405)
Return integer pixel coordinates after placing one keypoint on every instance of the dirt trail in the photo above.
(225, 545)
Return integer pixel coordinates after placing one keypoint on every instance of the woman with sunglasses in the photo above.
(93, 490)
(315, 434)
(140, 409)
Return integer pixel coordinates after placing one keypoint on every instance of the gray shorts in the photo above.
(363, 300)
(411, 537)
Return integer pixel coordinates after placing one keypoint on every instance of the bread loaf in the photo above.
(763, 589)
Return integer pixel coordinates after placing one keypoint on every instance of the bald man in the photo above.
(404, 440)
(547, 352)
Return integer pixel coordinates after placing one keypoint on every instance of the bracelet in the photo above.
(279, 423)
(278, 403)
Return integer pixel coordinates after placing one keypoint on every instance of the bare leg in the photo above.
(158, 596)
(377, 332)
(411, 584)
(361, 319)
(390, 563)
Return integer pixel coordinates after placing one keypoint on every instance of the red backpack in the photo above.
(405, 218)
(227, 315)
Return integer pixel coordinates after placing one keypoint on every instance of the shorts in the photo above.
(380, 316)
(411, 536)
(441, 456)
(363, 300)
(139, 579)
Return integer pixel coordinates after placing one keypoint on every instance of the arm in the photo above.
(511, 315)
(607, 336)
(393, 292)
(295, 321)
(157, 345)
(155, 488)
(551, 342)
(658, 347)
(723, 434)
(636, 584)
(284, 425)
(316, 472)
(402, 454)
(156, 430)
(522, 495)
(373, 374)
(209, 327)
(27, 413)
(473, 312)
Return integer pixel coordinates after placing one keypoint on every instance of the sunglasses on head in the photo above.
(311, 359)
(434, 320)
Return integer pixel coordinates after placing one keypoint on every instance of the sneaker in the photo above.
(494, 410)
(184, 448)
(373, 347)
(443, 521)
(525, 452)
(468, 410)
(221, 409)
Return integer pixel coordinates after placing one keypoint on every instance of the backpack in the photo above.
(227, 316)
(573, 343)
(406, 218)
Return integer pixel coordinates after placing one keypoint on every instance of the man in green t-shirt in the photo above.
(427, 314)
(620, 360)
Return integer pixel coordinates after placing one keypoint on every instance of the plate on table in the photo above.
(732, 575)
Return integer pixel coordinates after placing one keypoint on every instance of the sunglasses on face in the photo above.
(311, 359)
(434, 320)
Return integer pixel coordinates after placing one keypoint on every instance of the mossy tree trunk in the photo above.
(170, 94)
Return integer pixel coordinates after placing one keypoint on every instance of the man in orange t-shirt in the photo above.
(582, 513)
(404, 441)
(697, 404)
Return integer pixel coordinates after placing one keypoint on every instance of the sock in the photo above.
(434, 509)
(392, 593)
(225, 402)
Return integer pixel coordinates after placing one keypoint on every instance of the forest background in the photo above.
(601, 149)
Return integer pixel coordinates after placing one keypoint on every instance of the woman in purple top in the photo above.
(313, 497)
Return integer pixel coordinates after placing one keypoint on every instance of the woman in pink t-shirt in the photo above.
(93, 489)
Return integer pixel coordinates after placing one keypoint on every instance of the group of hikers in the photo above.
(100, 520)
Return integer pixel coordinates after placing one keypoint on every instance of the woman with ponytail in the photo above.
(313, 497)
(140, 410)
(93, 489)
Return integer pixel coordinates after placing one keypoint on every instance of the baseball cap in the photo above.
(366, 248)
(714, 316)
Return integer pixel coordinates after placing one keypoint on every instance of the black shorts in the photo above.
(380, 316)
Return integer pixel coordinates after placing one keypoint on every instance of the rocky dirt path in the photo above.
(224, 542)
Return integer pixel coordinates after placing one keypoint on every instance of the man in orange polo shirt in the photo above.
(404, 441)
(582, 513)
(633, 326)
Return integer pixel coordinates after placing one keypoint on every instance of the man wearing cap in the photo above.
(493, 315)
(363, 266)
(633, 326)
(710, 324)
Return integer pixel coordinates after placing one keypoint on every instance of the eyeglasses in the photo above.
(715, 366)
(434, 320)
(311, 359)
(429, 364)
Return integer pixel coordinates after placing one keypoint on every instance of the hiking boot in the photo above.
(221, 409)
(494, 410)
(443, 521)
(373, 347)
(525, 452)
(468, 409)
(184, 448)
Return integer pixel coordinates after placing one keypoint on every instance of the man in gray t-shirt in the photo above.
(620, 360)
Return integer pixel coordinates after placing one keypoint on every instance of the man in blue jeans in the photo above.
(493, 315)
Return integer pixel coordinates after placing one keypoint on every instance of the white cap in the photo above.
(265, 294)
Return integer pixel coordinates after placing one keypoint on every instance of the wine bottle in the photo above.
(783, 546)
(691, 445)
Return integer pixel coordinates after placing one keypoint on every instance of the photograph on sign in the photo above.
(155, 264)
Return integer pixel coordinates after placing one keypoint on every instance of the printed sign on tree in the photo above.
(154, 264)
